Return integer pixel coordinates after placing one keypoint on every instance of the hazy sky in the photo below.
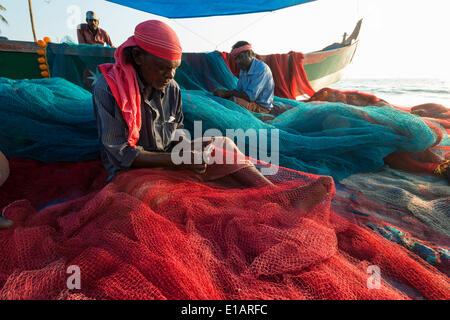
(399, 38)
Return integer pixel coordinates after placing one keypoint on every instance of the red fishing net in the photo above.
(161, 234)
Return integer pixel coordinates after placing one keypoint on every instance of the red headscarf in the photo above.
(155, 37)
(240, 49)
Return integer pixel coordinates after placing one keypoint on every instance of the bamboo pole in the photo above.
(32, 20)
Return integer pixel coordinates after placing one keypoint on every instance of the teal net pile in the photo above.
(47, 120)
(78, 63)
(323, 138)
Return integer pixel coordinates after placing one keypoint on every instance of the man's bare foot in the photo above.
(307, 196)
(5, 223)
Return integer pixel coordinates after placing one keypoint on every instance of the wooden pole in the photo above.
(32, 20)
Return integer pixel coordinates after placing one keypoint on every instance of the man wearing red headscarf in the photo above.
(138, 109)
(255, 88)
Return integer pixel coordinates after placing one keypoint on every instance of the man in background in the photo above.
(138, 109)
(255, 87)
(90, 33)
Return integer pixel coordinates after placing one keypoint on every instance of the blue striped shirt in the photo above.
(161, 115)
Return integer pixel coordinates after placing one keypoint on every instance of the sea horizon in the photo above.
(401, 91)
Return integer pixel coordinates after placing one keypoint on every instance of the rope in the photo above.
(235, 34)
(193, 32)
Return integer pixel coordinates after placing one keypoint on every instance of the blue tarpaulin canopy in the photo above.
(205, 8)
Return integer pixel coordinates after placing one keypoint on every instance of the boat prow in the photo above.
(325, 67)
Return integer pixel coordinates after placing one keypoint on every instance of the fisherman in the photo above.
(255, 87)
(90, 33)
(4, 173)
(138, 109)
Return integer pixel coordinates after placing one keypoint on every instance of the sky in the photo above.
(398, 39)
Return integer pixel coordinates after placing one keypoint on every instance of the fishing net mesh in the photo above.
(162, 234)
(49, 122)
(159, 234)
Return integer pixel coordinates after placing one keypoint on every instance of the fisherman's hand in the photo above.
(197, 158)
(201, 146)
(197, 163)
(220, 93)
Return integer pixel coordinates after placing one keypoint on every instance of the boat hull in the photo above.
(323, 68)
(18, 60)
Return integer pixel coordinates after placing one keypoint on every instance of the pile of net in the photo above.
(408, 208)
(160, 234)
(47, 120)
(436, 116)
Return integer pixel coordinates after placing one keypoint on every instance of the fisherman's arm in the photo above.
(239, 92)
(231, 93)
(118, 150)
(113, 131)
(151, 159)
(80, 35)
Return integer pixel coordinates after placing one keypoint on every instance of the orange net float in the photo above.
(47, 39)
(42, 43)
(43, 67)
(41, 60)
(41, 52)
(45, 74)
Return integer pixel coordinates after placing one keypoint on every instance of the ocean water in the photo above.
(401, 92)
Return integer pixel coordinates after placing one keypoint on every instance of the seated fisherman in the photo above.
(138, 108)
(4, 173)
(90, 33)
(255, 87)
